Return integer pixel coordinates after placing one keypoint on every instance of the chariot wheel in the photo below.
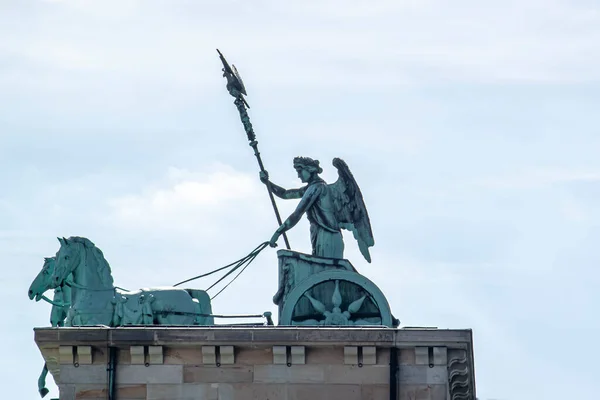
(336, 298)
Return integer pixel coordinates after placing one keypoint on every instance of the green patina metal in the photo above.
(322, 288)
(329, 208)
(347, 306)
(94, 299)
(327, 291)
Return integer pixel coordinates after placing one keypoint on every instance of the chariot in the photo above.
(325, 291)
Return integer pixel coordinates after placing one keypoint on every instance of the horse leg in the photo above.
(42, 382)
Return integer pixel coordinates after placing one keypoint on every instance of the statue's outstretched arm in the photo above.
(280, 192)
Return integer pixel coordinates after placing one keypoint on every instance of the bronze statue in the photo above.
(328, 207)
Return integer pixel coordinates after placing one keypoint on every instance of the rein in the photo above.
(242, 262)
(72, 284)
(235, 264)
(55, 303)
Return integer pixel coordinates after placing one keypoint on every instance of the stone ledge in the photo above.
(201, 335)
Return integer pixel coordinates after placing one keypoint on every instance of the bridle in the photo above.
(72, 284)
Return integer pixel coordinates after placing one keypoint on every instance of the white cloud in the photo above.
(189, 201)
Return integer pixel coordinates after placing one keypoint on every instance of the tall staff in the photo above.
(235, 87)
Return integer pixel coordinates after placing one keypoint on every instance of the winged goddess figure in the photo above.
(328, 207)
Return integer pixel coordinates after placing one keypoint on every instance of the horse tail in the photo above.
(42, 390)
(204, 306)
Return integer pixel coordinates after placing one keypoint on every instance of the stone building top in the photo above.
(233, 335)
(242, 362)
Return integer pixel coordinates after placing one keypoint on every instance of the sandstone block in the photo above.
(421, 374)
(323, 392)
(155, 354)
(369, 355)
(84, 374)
(423, 392)
(297, 355)
(375, 392)
(252, 391)
(183, 391)
(100, 356)
(324, 355)
(66, 392)
(84, 355)
(123, 356)
(131, 374)
(383, 355)
(285, 374)
(440, 355)
(227, 355)
(137, 355)
(65, 354)
(183, 355)
(352, 374)
(214, 374)
(279, 354)
(253, 356)
(407, 356)
(422, 355)
(350, 355)
(209, 355)
(86, 391)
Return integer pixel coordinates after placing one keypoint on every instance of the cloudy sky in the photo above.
(472, 128)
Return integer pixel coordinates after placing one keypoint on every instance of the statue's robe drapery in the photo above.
(325, 233)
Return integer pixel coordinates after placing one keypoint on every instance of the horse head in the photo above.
(78, 254)
(68, 259)
(41, 283)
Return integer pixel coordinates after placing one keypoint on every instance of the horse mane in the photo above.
(91, 250)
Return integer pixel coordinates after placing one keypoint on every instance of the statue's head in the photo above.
(307, 168)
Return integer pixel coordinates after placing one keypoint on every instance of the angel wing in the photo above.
(350, 209)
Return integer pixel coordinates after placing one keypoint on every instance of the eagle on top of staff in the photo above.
(328, 207)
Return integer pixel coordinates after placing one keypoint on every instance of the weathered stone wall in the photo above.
(261, 363)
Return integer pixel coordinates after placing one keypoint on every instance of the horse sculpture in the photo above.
(96, 301)
(84, 294)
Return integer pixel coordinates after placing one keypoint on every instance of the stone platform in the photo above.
(275, 363)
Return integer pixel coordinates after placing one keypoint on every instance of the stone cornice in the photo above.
(185, 336)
